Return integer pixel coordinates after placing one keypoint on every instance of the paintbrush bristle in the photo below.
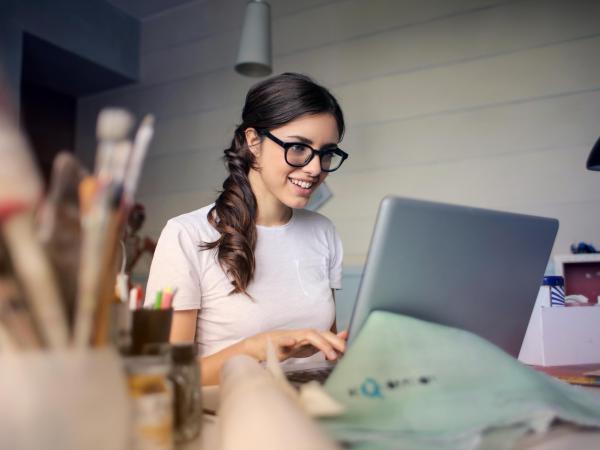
(114, 124)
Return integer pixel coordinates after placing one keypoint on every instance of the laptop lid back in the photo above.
(469, 268)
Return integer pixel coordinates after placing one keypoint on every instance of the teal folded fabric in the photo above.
(412, 384)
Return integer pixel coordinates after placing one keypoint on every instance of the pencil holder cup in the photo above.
(150, 327)
(68, 400)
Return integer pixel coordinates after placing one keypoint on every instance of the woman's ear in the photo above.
(253, 140)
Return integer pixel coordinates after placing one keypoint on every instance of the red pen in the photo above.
(139, 295)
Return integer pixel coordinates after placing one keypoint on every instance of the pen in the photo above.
(140, 295)
(158, 300)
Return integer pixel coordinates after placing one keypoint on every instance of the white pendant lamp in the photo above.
(254, 55)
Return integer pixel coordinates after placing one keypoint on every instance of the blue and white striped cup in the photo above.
(555, 288)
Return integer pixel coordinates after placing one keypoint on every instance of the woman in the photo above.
(255, 267)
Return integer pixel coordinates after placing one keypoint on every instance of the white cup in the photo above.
(69, 400)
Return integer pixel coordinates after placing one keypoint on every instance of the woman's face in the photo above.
(276, 180)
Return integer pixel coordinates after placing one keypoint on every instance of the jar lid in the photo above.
(553, 281)
(183, 353)
(147, 364)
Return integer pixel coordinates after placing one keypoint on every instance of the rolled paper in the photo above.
(255, 413)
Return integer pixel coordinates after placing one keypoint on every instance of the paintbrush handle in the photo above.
(107, 279)
(16, 319)
(94, 223)
(19, 326)
(35, 273)
(141, 143)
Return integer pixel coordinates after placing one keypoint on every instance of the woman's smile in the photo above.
(302, 187)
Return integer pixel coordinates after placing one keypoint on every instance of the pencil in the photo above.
(167, 298)
(578, 379)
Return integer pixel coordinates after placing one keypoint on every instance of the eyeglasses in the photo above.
(298, 154)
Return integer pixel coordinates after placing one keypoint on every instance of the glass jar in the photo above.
(151, 394)
(185, 375)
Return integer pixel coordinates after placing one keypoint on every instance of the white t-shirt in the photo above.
(297, 265)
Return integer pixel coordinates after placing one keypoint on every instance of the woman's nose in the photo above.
(313, 168)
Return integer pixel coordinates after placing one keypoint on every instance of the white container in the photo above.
(561, 336)
(69, 400)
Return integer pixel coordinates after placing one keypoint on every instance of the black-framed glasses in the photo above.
(299, 154)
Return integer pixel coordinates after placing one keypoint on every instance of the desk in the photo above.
(561, 437)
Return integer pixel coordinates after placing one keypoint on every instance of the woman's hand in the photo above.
(297, 343)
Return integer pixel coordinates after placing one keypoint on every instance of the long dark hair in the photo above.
(269, 104)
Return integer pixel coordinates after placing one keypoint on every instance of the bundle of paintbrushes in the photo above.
(106, 198)
(29, 275)
(59, 252)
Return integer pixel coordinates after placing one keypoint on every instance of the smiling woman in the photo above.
(254, 267)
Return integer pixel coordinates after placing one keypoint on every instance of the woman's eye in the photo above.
(297, 148)
(327, 156)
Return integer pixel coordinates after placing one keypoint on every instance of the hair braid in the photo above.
(234, 216)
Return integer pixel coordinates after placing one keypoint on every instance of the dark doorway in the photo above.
(52, 79)
(49, 120)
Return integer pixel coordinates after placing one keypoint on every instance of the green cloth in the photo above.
(412, 384)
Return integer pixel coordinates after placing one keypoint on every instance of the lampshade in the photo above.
(254, 55)
(593, 162)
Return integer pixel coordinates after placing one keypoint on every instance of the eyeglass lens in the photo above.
(300, 155)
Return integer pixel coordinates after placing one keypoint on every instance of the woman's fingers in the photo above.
(335, 340)
(291, 342)
(343, 335)
(317, 340)
(286, 341)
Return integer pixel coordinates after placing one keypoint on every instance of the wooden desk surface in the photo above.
(573, 374)
(561, 437)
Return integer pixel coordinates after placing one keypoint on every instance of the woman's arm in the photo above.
(183, 326)
(183, 329)
(288, 344)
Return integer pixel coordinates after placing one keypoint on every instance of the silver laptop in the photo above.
(469, 268)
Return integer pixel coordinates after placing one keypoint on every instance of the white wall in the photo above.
(490, 103)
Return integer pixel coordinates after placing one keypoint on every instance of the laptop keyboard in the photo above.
(304, 376)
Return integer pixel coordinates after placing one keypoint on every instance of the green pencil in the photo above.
(158, 301)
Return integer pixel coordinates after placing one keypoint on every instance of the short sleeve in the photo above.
(336, 255)
(176, 264)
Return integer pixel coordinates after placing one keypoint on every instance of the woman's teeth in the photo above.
(302, 184)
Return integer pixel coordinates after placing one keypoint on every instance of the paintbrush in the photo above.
(112, 128)
(59, 225)
(108, 280)
(138, 155)
(14, 315)
(100, 199)
(20, 190)
(15, 318)
(129, 179)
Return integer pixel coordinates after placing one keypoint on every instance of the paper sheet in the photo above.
(417, 385)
